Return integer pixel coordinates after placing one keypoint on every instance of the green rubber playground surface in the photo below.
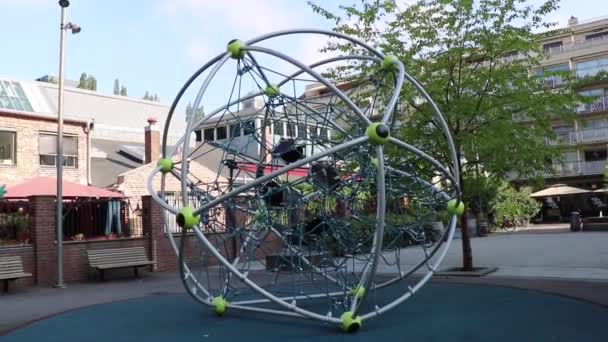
(439, 312)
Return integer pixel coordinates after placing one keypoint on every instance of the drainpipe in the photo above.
(89, 129)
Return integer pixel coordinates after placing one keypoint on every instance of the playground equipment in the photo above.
(314, 194)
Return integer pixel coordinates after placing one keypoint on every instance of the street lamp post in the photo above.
(59, 158)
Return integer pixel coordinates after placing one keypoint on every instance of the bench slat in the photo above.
(119, 265)
(115, 250)
(15, 275)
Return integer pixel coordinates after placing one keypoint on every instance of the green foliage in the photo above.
(457, 50)
(149, 97)
(87, 82)
(199, 113)
(513, 207)
(123, 91)
(478, 192)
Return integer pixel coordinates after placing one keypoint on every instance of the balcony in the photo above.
(585, 136)
(583, 44)
(598, 105)
(570, 169)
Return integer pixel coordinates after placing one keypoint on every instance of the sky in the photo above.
(155, 45)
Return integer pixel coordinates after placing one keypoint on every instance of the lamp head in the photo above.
(74, 27)
(64, 3)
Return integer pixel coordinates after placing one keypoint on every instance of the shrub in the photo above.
(512, 207)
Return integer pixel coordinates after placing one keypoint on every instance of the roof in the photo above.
(107, 110)
(108, 161)
(47, 186)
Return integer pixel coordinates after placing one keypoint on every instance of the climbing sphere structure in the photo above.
(311, 203)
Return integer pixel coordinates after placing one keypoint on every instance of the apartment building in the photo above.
(581, 49)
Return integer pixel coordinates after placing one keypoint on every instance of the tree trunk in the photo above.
(467, 252)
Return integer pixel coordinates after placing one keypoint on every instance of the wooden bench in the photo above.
(11, 268)
(103, 259)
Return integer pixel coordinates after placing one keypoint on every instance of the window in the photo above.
(208, 134)
(47, 149)
(591, 68)
(302, 131)
(7, 148)
(12, 96)
(249, 127)
(291, 130)
(278, 128)
(552, 47)
(235, 130)
(221, 133)
(596, 36)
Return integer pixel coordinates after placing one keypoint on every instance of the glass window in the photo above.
(596, 36)
(302, 131)
(221, 133)
(12, 96)
(208, 134)
(291, 130)
(249, 127)
(47, 149)
(278, 128)
(592, 67)
(554, 46)
(235, 130)
(597, 123)
(7, 148)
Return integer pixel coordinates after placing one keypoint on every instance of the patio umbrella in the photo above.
(601, 190)
(559, 190)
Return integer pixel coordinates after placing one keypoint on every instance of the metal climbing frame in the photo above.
(313, 224)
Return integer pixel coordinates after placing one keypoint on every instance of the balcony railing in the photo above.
(585, 136)
(571, 169)
(583, 44)
(598, 105)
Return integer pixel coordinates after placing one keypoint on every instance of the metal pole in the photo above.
(59, 158)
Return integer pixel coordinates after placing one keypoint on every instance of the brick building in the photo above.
(28, 145)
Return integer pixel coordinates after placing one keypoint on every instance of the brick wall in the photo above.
(42, 220)
(27, 165)
(40, 258)
(133, 183)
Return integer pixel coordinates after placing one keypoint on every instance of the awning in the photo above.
(47, 186)
(559, 190)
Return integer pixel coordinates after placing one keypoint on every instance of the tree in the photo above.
(147, 96)
(83, 82)
(190, 110)
(463, 52)
(116, 87)
(155, 98)
(123, 90)
(92, 83)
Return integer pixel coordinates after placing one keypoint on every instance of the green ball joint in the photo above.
(390, 63)
(378, 133)
(166, 165)
(220, 305)
(186, 218)
(357, 291)
(272, 90)
(350, 324)
(453, 209)
(235, 48)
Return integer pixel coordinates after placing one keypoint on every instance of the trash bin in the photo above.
(482, 228)
(576, 222)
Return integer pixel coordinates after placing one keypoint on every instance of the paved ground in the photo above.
(547, 251)
(569, 264)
